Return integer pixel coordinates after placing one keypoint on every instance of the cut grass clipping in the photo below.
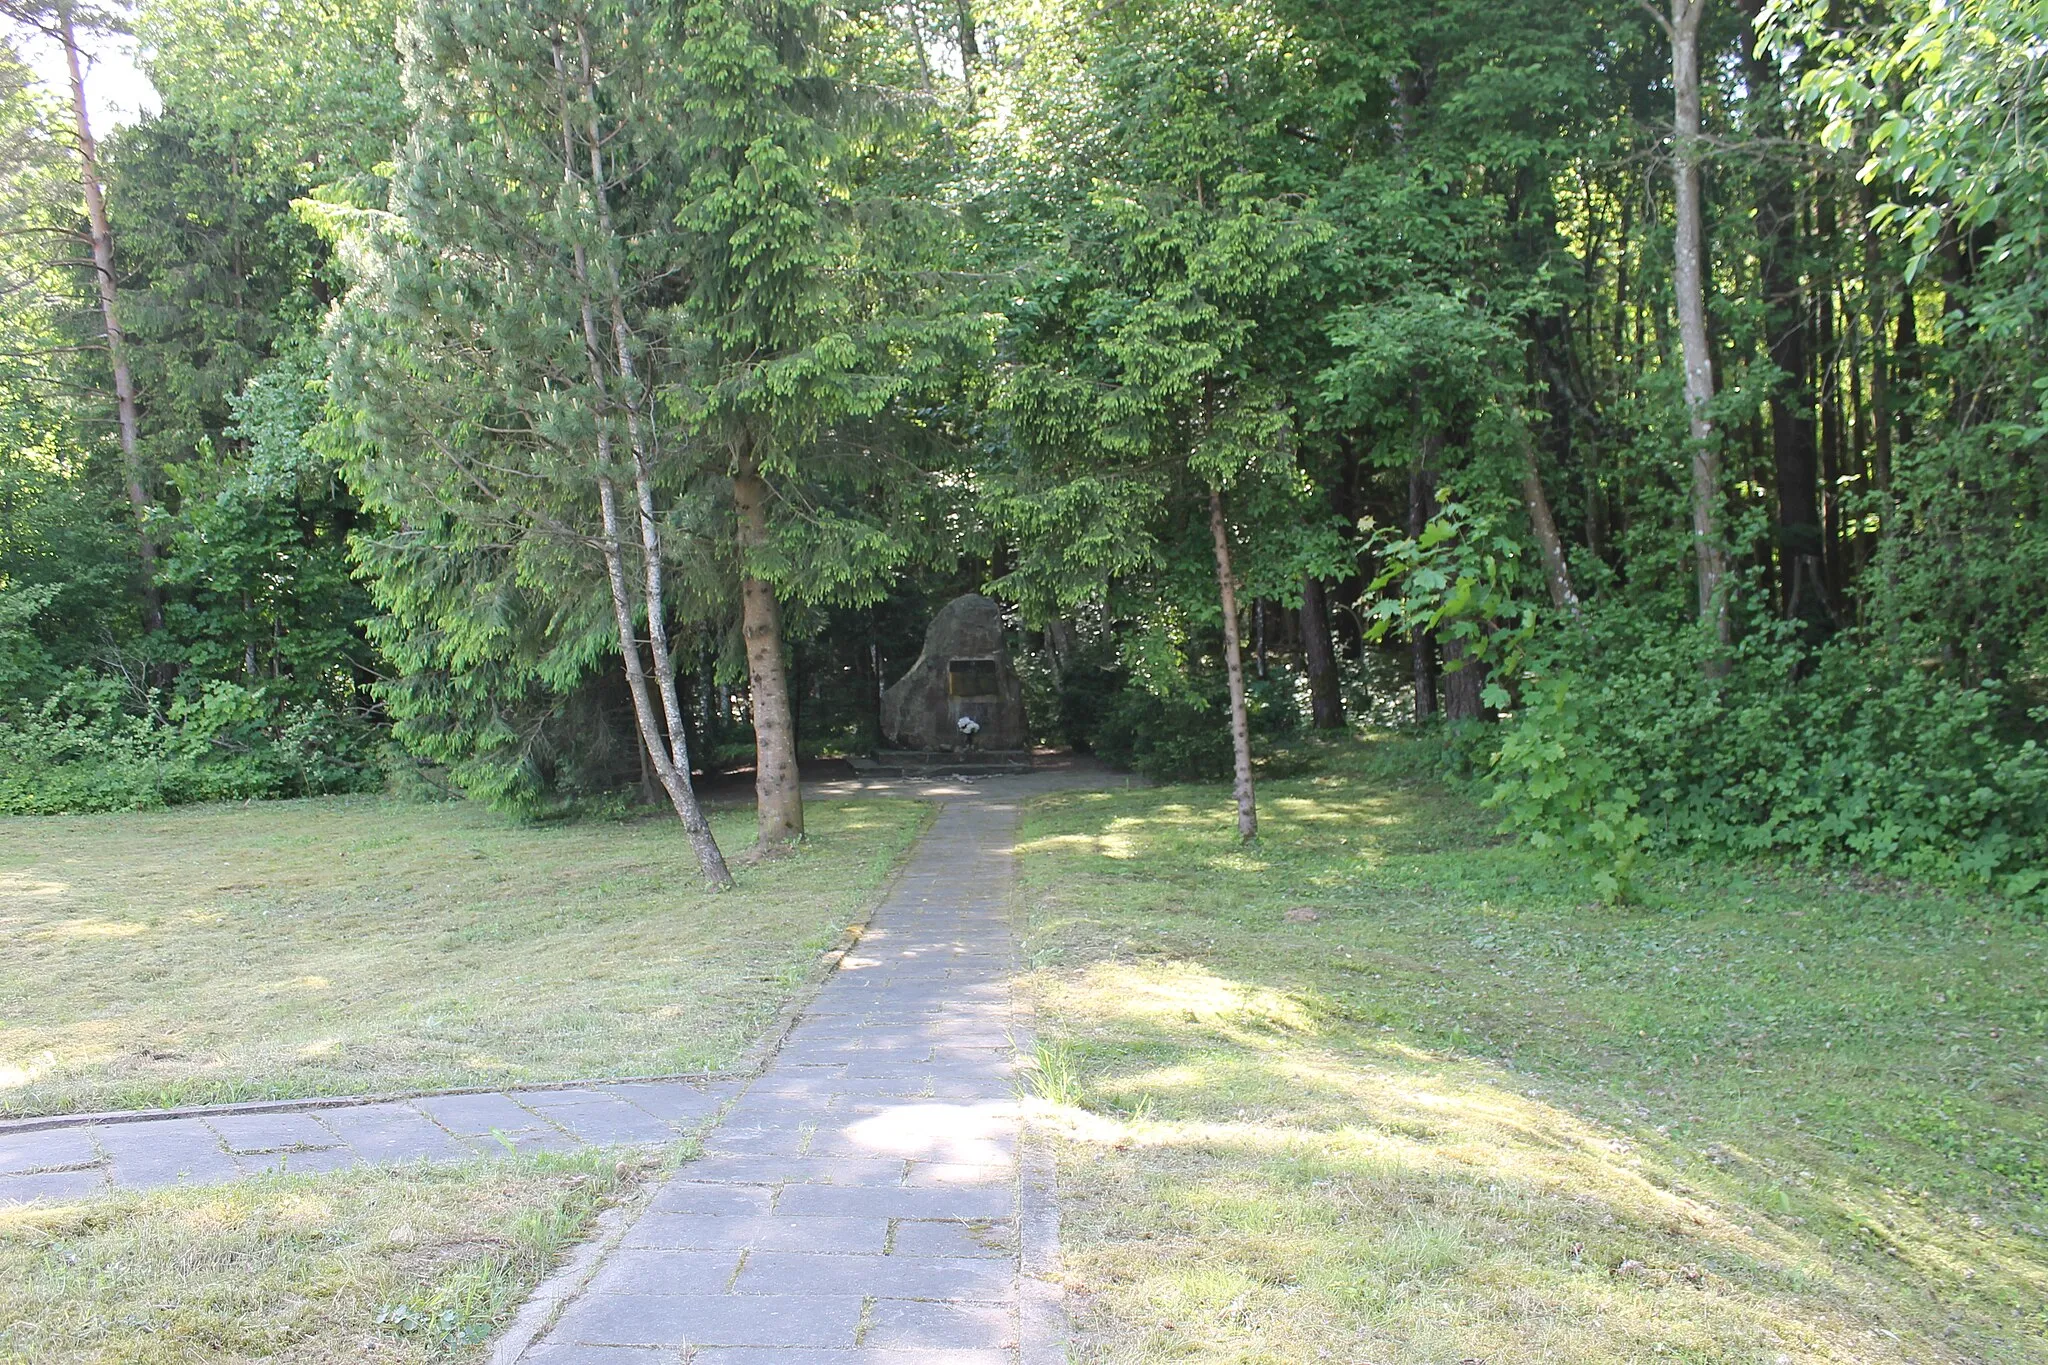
(353, 946)
(1384, 1089)
(391, 1265)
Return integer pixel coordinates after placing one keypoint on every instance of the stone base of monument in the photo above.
(943, 762)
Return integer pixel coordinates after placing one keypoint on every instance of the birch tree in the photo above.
(1681, 26)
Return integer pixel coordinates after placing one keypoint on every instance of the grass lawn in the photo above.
(1386, 1088)
(399, 1265)
(351, 945)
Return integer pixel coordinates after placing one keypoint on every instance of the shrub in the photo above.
(1556, 785)
(1835, 752)
(82, 749)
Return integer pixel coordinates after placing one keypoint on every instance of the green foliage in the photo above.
(259, 548)
(997, 296)
(1834, 755)
(1460, 580)
(1156, 274)
(1555, 785)
(85, 749)
(1167, 738)
(312, 87)
(1946, 97)
(217, 273)
(1181, 736)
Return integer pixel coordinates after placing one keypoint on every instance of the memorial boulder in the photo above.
(962, 692)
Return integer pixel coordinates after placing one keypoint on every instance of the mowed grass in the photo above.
(353, 945)
(1449, 1110)
(394, 1265)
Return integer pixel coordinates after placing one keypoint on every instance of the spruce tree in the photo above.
(816, 312)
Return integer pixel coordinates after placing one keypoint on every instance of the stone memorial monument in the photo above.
(961, 695)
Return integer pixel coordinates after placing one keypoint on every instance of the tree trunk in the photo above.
(1557, 574)
(1318, 660)
(669, 754)
(1795, 454)
(1421, 643)
(639, 433)
(102, 235)
(1233, 664)
(1689, 265)
(778, 792)
(1464, 681)
(1906, 366)
(674, 780)
(1827, 390)
(1874, 288)
(970, 54)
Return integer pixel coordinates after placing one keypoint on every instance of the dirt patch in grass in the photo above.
(391, 1265)
(351, 946)
(1462, 1114)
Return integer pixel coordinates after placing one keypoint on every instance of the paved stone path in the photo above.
(860, 1202)
(74, 1161)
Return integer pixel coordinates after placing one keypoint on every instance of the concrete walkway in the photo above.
(861, 1202)
(73, 1161)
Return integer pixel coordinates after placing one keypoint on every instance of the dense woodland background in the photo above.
(431, 329)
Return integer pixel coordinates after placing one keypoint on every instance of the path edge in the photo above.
(568, 1281)
(310, 1103)
(1044, 1330)
(756, 1059)
(545, 1301)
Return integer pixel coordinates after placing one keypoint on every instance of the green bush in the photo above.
(1169, 739)
(1183, 738)
(1831, 753)
(1557, 786)
(82, 749)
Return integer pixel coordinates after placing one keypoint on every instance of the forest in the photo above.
(547, 400)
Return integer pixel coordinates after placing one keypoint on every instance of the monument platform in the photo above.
(933, 762)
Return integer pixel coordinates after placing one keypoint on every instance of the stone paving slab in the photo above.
(859, 1203)
(46, 1151)
(56, 1164)
(251, 1133)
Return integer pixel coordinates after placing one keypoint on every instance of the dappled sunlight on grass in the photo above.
(1184, 990)
(90, 928)
(347, 945)
(1111, 845)
(303, 983)
(1451, 1113)
(1446, 1207)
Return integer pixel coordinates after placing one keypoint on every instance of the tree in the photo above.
(813, 313)
(62, 21)
(1688, 281)
(1144, 394)
(309, 88)
(500, 351)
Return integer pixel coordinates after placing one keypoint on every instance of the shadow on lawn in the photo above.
(1262, 1167)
